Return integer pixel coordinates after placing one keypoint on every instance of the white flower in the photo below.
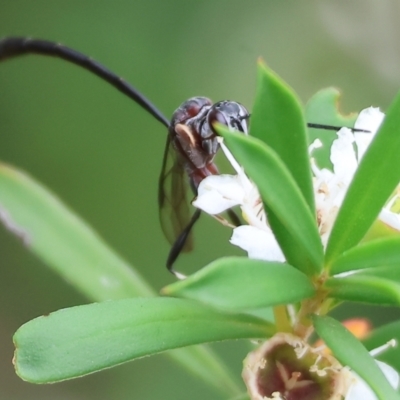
(359, 390)
(347, 150)
(259, 243)
(218, 193)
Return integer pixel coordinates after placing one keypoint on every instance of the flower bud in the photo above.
(286, 367)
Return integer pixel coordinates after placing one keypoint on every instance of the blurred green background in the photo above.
(102, 154)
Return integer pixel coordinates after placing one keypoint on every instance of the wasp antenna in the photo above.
(17, 46)
(334, 128)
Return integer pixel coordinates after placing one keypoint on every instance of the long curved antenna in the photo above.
(18, 46)
(333, 128)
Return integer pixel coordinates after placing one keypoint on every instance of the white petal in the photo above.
(390, 218)
(323, 175)
(391, 374)
(217, 193)
(369, 119)
(259, 244)
(343, 156)
(316, 144)
(359, 390)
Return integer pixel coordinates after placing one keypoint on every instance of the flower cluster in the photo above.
(217, 193)
(286, 366)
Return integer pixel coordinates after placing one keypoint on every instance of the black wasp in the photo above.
(191, 141)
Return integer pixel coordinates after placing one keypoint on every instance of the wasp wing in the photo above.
(174, 209)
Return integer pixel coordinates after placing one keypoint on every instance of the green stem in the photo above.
(281, 319)
(303, 326)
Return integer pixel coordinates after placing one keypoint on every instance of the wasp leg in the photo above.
(179, 244)
(235, 219)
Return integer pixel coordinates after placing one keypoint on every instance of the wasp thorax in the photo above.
(286, 367)
(194, 108)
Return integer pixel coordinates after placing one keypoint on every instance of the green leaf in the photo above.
(238, 283)
(365, 288)
(323, 108)
(84, 339)
(382, 335)
(205, 364)
(294, 226)
(63, 241)
(373, 183)
(350, 352)
(243, 396)
(277, 119)
(380, 230)
(378, 253)
(390, 273)
(69, 246)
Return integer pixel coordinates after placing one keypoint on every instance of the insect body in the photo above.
(191, 141)
(192, 144)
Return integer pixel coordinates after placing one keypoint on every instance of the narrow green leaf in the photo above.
(350, 352)
(372, 185)
(365, 288)
(84, 339)
(205, 364)
(390, 273)
(63, 241)
(277, 119)
(69, 246)
(294, 226)
(238, 283)
(382, 335)
(378, 253)
(323, 108)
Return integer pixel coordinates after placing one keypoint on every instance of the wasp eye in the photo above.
(235, 123)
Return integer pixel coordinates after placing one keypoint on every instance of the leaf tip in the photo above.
(261, 62)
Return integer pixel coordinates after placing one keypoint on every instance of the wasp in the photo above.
(191, 143)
